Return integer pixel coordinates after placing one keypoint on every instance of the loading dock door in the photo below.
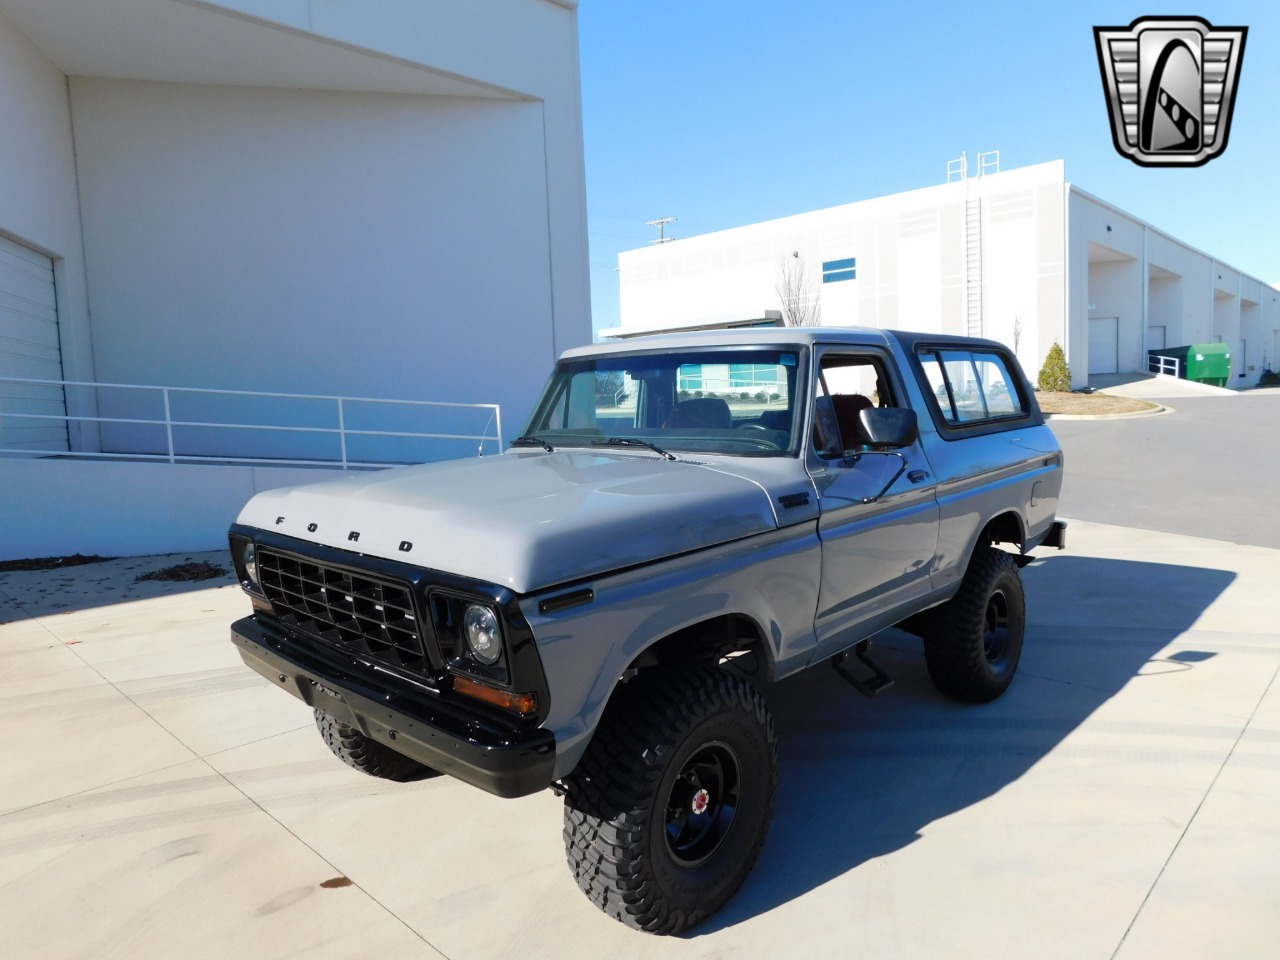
(1104, 345)
(29, 349)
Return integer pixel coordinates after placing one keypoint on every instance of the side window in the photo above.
(586, 399)
(847, 385)
(971, 386)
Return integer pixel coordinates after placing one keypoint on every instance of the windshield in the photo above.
(738, 402)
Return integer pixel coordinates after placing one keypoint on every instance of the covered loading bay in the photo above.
(29, 349)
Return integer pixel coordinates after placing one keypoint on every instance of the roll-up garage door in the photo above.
(1104, 345)
(29, 349)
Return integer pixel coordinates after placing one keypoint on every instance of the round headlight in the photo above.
(484, 634)
(251, 564)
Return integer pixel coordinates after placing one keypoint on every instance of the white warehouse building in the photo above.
(381, 200)
(1020, 256)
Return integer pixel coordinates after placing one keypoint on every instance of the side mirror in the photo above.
(889, 426)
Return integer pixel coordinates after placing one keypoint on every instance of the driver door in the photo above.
(876, 556)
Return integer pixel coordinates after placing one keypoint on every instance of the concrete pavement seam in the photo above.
(339, 871)
(1192, 819)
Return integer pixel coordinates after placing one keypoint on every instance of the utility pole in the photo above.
(661, 225)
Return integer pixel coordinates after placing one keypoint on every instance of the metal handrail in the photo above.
(172, 455)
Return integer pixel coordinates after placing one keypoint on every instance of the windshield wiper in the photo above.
(529, 440)
(633, 442)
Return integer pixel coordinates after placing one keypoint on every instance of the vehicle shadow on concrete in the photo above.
(862, 778)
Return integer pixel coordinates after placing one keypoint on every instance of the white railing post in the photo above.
(168, 424)
(342, 432)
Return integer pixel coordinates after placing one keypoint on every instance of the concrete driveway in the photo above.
(158, 800)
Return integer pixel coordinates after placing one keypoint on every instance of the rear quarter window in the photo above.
(974, 390)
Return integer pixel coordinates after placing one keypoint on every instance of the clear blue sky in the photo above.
(728, 112)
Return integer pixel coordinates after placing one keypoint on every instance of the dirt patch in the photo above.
(50, 563)
(1096, 404)
(184, 571)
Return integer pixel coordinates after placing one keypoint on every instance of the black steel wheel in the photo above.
(972, 643)
(702, 804)
(368, 756)
(667, 811)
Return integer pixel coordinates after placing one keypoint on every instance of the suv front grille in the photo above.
(368, 616)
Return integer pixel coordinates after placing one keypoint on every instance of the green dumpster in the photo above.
(1203, 362)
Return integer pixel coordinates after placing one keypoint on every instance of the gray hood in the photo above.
(523, 520)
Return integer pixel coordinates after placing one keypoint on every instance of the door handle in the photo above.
(916, 476)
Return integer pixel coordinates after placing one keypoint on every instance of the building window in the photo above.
(753, 375)
(834, 271)
(689, 377)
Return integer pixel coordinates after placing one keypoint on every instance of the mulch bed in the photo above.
(185, 571)
(1096, 403)
(178, 572)
(50, 563)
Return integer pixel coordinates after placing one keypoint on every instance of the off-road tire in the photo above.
(673, 739)
(972, 643)
(368, 756)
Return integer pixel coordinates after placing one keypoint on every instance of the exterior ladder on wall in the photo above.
(973, 264)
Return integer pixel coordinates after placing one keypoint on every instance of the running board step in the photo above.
(878, 681)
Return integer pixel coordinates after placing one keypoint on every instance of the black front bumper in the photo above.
(504, 763)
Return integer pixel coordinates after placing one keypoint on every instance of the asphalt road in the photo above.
(1210, 469)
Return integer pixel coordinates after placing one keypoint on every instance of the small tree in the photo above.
(1055, 377)
(801, 306)
(609, 388)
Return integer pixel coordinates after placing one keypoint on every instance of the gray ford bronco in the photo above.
(682, 514)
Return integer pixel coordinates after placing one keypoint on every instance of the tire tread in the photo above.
(953, 631)
(606, 824)
(366, 755)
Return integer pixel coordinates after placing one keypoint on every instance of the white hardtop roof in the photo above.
(751, 337)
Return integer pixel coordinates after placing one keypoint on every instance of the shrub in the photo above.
(1055, 377)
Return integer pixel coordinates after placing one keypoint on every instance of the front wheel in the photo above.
(972, 643)
(668, 809)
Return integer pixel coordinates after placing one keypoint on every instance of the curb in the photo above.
(1160, 409)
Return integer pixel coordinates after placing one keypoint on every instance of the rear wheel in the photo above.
(368, 756)
(972, 643)
(667, 811)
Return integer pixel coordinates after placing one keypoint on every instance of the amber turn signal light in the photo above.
(521, 703)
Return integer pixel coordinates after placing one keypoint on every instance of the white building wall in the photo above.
(1056, 265)
(383, 199)
(529, 46)
(39, 207)
(129, 509)
(911, 263)
(1157, 285)
(316, 242)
